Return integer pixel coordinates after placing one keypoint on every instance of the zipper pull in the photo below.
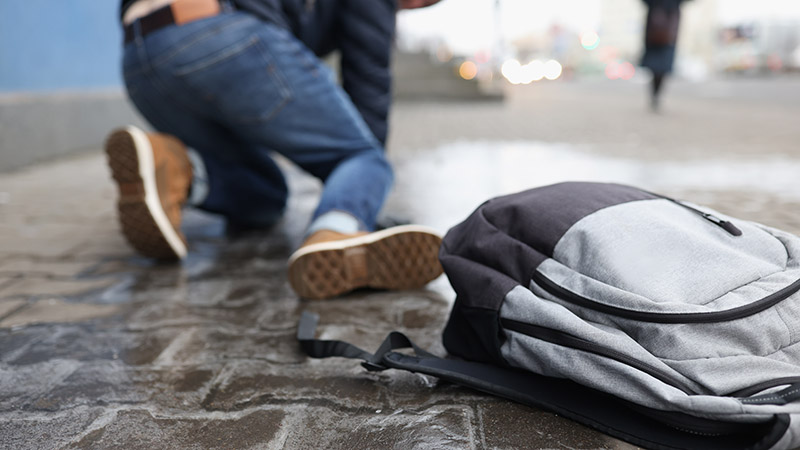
(724, 224)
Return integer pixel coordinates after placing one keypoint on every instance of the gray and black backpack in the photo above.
(659, 322)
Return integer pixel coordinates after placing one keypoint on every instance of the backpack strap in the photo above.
(317, 348)
(633, 423)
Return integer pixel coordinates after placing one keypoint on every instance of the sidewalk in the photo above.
(102, 349)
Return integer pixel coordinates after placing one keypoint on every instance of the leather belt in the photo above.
(177, 13)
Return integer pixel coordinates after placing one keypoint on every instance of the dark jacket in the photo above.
(362, 30)
(661, 34)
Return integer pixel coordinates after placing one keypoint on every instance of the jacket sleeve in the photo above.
(366, 36)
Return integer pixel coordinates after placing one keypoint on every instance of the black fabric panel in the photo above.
(474, 333)
(540, 217)
(475, 284)
(483, 263)
(473, 330)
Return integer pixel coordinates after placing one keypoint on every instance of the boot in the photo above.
(329, 264)
(153, 174)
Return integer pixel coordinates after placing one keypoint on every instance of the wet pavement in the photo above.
(102, 349)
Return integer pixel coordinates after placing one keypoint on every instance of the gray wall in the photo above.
(35, 127)
(60, 83)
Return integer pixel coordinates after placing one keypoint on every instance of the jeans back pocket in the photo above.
(241, 80)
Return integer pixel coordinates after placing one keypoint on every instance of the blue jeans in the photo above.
(236, 89)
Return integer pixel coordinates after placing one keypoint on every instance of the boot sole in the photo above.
(404, 257)
(142, 218)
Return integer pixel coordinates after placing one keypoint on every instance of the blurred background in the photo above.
(61, 92)
(527, 41)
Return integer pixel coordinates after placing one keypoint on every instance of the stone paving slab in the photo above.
(47, 431)
(55, 310)
(142, 429)
(19, 267)
(32, 286)
(100, 348)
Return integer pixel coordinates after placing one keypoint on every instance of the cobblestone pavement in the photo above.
(102, 349)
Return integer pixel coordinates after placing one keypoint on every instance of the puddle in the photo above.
(442, 186)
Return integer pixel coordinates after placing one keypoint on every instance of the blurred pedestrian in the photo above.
(660, 37)
(227, 82)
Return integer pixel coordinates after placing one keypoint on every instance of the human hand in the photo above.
(414, 4)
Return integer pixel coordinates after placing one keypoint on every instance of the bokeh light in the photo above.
(468, 70)
(612, 70)
(590, 40)
(608, 54)
(774, 62)
(626, 70)
(483, 57)
(512, 71)
(536, 70)
(552, 69)
(443, 54)
(620, 70)
(533, 71)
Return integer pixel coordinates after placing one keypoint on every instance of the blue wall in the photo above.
(52, 45)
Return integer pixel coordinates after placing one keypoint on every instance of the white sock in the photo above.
(338, 221)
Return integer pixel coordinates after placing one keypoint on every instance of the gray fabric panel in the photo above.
(760, 334)
(597, 372)
(611, 295)
(662, 251)
(754, 349)
(789, 313)
(610, 376)
(626, 382)
(729, 374)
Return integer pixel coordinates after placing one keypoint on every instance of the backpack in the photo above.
(659, 322)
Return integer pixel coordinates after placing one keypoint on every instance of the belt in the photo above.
(177, 13)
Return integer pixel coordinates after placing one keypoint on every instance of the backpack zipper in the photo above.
(769, 384)
(726, 225)
(696, 425)
(567, 340)
(711, 317)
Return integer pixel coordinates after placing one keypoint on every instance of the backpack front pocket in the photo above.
(671, 257)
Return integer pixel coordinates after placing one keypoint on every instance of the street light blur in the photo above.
(512, 71)
(468, 70)
(536, 70)
(552, 70)
(533, 71)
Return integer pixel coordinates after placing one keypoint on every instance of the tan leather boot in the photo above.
(329, 264)
(153, 174)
